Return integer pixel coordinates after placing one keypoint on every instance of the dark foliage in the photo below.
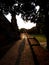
(26, 9)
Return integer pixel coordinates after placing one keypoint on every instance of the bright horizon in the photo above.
(21, 23)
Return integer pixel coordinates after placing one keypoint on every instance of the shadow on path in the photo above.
(33, 54)
(4, 49)
(20, 50)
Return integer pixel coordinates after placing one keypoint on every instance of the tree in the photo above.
(27, 9)
(44, 9)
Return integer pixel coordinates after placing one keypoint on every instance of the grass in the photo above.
(40, 38)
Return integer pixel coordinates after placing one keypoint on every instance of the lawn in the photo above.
(40, 38)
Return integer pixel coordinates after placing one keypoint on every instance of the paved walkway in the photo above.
(25, 52)
(19, 54)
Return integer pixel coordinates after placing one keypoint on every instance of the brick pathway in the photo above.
(21, 53)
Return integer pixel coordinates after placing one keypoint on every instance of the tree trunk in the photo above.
(14, 24)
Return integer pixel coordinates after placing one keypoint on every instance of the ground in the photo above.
(26, 51)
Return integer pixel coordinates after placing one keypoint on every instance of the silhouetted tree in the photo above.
(28, 11)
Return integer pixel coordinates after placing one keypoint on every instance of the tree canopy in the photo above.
(28, 8)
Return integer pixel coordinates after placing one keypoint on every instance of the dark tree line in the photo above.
(27, 9)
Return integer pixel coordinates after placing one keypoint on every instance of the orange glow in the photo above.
(23, 36)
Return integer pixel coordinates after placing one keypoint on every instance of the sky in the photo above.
(21, 23)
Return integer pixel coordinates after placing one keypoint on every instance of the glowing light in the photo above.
(23, 36)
